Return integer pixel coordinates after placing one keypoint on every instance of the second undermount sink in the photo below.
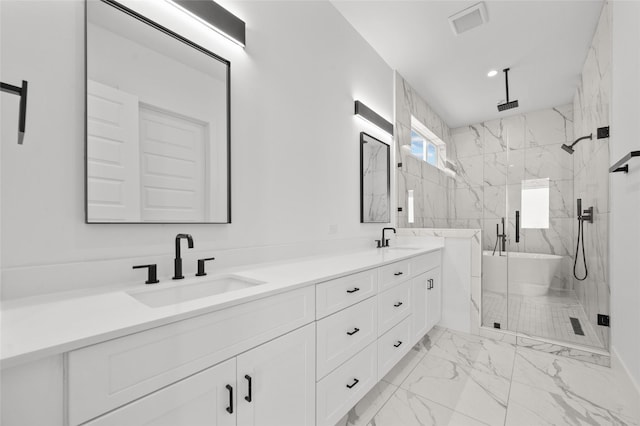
(183, 291)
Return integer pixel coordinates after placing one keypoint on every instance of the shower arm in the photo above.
(579, 139)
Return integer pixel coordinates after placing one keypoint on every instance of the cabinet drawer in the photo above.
(393, 306)
(344, 387)
(344, 333)
(392, 274)
(331, 296)
(424, 262)
(110, 374)
(393, 345)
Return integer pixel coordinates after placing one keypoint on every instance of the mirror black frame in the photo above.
(189, 43)
(362, 142)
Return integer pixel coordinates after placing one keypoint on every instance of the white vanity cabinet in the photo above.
(426, 295)
(109, 375)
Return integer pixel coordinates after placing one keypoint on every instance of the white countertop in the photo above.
(38, 327)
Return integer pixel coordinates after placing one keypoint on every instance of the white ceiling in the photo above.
(544, 43)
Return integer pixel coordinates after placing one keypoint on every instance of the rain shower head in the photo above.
(507, 105)
(569, 148)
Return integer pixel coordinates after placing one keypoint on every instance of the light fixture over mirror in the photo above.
(157, 123)
(367, 114)
(215, 17)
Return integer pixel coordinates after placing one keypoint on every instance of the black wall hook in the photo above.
(22, 92)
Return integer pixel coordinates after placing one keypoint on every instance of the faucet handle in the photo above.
(152, 275)
(386, 242)
(379, 243)
(201, 271)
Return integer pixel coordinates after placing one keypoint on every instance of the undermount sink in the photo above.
(183, 292)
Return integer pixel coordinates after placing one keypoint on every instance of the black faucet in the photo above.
(383, 242)
(177, 262)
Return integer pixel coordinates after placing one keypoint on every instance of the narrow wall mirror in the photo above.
(157, 123)
(375, 180)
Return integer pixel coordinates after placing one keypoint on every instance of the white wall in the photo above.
(295, 141)
(625, 189)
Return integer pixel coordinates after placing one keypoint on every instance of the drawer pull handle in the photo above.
(430, 285)
(398, 343)
(398, 274)
(397, 305)
(355, 330)
(248, 397)
(353, 290)
(355, 382)
(230, 407)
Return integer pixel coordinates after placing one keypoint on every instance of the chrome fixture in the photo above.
(367, 114)
(152, 273)
(501, 239)
(215, 17)
(177, 262)
(385, 242)
(569, 148)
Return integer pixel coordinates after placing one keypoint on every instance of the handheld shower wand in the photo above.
(583, 216)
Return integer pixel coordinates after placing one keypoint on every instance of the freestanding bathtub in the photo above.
(529, 274)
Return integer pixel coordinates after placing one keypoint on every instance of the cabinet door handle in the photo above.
(355, 382)
(353, 290)
(248, 397)
(398, 343)
(398, 274)
(397, 305)
(355, 330)
(430, 285)
(230, 407)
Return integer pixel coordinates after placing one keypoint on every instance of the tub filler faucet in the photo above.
(501, 239)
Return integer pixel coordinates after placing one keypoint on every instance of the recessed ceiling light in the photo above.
(492, 73)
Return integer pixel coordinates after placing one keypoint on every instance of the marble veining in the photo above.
(452, 384)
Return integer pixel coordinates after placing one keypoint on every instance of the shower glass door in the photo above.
(530, 187)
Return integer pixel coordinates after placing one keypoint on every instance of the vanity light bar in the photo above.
(372, 117)
(215, 17)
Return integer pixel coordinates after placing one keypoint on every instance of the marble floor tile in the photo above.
(577, 381)
(407, 409)
(532, 406)
(487, 355)
(366, 409)
(415, 355)
(471, 392)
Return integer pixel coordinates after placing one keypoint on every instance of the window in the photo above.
(535, 203)
(426, 146)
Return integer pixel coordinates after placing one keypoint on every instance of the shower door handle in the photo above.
(517, 226)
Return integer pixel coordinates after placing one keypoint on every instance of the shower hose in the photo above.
(584, 258)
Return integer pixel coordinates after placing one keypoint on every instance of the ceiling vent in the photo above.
(469, 18)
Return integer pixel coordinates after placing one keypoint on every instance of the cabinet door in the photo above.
(419, 290)
(206, 398)
(276, 381)
(434, 299)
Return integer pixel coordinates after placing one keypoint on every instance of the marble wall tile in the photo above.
(495, 136)
(561, 200)
(468, 203)
(504, 167)
(403, 101)
(548, 161)
(495, 201)
(557, 239)
(468, 141)
(470, 171)
(549, 126)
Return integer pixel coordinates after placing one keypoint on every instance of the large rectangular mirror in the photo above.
(157, 123)
(375, 180)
